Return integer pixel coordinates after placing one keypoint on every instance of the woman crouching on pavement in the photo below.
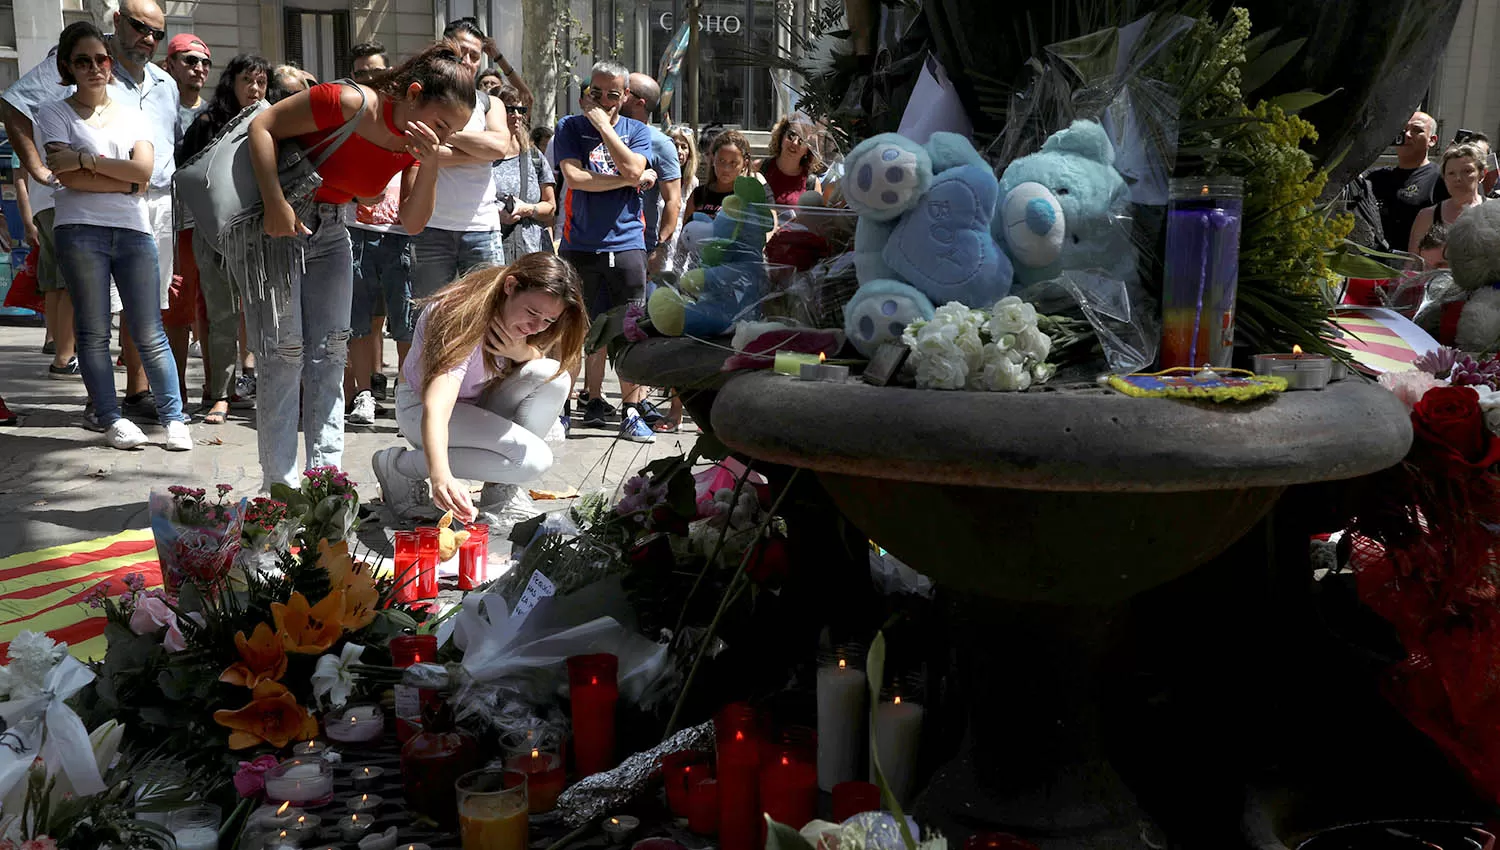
(484, 382)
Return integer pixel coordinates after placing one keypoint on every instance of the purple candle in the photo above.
(1202, 270)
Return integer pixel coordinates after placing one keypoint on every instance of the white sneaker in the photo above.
(363, 412)
(125, 434)
(404, 497)
(179, 437)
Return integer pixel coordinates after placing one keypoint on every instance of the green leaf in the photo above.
(709, 447)
(1356, 265)
(875, 676)
(1260, 71)
(779, 836)
(1293, 102)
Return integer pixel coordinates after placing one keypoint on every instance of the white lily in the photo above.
(105, 742)
(332, 676)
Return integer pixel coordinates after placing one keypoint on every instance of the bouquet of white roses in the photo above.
(1001, 349)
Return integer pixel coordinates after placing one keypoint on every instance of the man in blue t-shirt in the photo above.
(663, 201)
(603, 158)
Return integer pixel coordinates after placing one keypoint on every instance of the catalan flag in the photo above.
(47, 590)
(1382, 340)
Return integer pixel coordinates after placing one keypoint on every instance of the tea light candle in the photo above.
(310, 749)
(357, 724)
(367, 778)
(282, 841)
(353, 827)
(270, 818)
(1301, 371)
(366, 804)
(414, 847)
(828, 373)
(303, 782)
(305, 827)
(791, 362)
(619, 827)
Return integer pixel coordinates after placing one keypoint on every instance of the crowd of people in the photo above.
(482, 246)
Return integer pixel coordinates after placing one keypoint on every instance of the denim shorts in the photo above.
(382, 278)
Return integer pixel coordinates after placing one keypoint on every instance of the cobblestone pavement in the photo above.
(60, 483)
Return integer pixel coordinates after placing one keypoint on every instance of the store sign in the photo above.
(726, 24)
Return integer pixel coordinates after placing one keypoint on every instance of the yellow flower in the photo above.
(272, 716)
(309, 630)
(264, 659)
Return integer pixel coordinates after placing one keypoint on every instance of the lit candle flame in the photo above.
(593, 680)
(1296, 349)
(367, 772)
(822, 357)
(536, 754)
(365, 798)
(739, 736)
(301, 820)
(898, 700)
(843, 664)
(283, 808)
(354, 818)
(614, 821)
(785, 760)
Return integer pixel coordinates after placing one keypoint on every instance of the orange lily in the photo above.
(360, 594)
(309, 630)
(273, 717)
(264, 659)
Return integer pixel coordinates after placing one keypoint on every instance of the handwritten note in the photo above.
(539, 588)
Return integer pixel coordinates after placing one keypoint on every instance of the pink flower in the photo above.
(39, 843)
(250, 780)
(1410, 386)
(633, 315)
(151, 615)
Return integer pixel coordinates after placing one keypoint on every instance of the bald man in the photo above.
(662, 201)
(1412, 184)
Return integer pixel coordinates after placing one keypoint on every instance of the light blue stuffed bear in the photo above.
(730, 283)
(924, 233)
(1066, 207)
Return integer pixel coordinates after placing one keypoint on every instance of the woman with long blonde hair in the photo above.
(485, 380)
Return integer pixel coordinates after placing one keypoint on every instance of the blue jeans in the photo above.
(300, 350)
(382, 272)
(88, 256)
(439, 257)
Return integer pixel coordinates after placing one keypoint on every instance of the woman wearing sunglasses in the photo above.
(793, 165)
(525, 185)
(102, 154)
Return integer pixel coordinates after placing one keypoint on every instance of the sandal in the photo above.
(216, 417)
(668, 425)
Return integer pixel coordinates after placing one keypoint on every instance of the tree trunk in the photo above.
(540, 59)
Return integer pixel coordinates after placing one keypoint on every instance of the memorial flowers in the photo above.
(1002, 349)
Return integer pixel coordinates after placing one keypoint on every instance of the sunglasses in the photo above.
(600, 94)
(195, 61)
(83, 61)
(146, 29)
(516, 110)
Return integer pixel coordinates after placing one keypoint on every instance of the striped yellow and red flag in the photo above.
(47, 590)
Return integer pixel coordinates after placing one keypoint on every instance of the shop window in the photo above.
(730, 92)
(318, 42)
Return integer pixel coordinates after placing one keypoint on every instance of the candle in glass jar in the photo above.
(898, 733)
(427, 562)
(357, 724)
(407, 569)
(703, 805)
(593, 691)
(789, 782)
(473, 557)
(678, 771)
(302, 782)
(841, 720)
(737, 742)
(545, 778)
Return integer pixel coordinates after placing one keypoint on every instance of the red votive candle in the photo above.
(407, 650)
(405, 566)
(703, 806)
(545, 778)
(789, 778)
(852, 798)
(427, 561)
(678, 772)
(473, 557)
(737, 741)
(593, 690)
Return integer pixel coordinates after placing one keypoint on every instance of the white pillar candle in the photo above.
(898, 733)
(197, 838)
(841, 723)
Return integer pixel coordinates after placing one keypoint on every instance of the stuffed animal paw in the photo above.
(886, 174)
(880, 311)
(943, 246)
(448, 539)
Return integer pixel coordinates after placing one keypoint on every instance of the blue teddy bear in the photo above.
(924, 233)
(729, 285)
(1066, 207)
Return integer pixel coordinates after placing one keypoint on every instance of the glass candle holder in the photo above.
(789, 777)
(473, 557)
(195, 827)
(1202, 271)
(303, 782)
(427, 562)
(407, 650)
(842, 713)
(737, 742)
(703, 806)
(355, 724)
(678, 771)
(493, 810)
(538, 757)
(406, 566)
(593, 691)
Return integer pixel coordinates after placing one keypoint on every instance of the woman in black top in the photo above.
(241, 85)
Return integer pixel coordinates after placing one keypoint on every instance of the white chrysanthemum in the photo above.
(1011, 315)
(1034, 343)
(32, 657)
(941, 370)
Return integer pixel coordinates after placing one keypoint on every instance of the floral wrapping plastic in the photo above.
(198, 549)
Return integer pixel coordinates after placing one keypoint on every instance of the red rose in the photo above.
(769, 562)
(1450, 420)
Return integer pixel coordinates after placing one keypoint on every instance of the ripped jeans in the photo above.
(300, 350)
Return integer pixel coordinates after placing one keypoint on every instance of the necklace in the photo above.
(76, 104)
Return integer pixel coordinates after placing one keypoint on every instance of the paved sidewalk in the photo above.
(60, 483)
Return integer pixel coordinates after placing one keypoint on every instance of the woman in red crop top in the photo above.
(297, 280)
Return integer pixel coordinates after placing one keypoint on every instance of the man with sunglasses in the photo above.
(604, 158)
(188, 61)
(139, 26)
